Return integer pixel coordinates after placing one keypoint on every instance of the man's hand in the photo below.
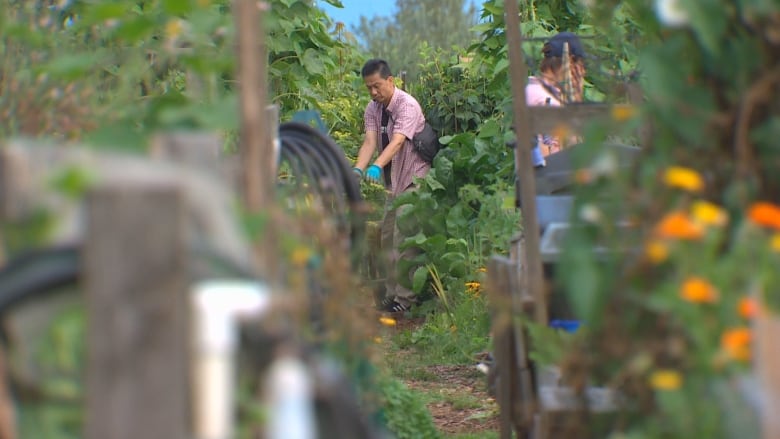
(358, 171)
(373, 173)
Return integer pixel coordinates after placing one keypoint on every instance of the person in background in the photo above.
(549, 87)
(391, 120)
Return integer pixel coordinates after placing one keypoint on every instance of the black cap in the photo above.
(554, 46)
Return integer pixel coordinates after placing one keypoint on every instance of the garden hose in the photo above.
(319, 166)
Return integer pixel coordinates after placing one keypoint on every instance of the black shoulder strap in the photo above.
(385, 142)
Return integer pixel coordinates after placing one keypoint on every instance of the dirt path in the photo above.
(465, 406)
(456, 394)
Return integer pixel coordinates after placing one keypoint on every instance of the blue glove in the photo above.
(358, 171)
(537, 158)
(373, 172)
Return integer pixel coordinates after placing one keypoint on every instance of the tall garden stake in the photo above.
(534, 280)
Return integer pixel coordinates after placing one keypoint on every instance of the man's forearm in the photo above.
(388, 153)
(364, 156)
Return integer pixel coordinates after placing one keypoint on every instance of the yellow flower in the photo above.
(774, 243)
(680, 226)
(378, 340)
(173, 28)
(622, 113)
(698, 290)
(683, 178)
(736, 343)
(473, 287)
(300, 256)
(666, 379)
(482, 270)
(656, 251)
(387, 321)
(709, 214)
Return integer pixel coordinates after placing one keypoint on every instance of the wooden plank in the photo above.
(515, 392)
(199, 150)
(14, 185)
(523, 163)
(7, 412)
(767, 364)
(594, 399)
(573, 117)
(135, 265)
(498, 289)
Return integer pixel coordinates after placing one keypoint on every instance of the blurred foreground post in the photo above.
(767, 329)
(136, 280)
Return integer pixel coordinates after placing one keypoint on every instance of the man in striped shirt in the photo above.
(392, 118)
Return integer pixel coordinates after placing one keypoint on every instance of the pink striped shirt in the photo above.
(406, 117)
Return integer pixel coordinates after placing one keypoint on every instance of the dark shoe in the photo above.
(390, 305)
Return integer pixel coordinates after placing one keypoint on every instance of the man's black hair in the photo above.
(376, 66)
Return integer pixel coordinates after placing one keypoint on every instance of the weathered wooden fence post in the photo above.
(767, 328)
(534, 278)
(135, 265)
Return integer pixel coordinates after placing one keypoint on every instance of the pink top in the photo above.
(539, 94)
(406, 117)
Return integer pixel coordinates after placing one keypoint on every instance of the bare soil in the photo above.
(453, 384)
(460, 404)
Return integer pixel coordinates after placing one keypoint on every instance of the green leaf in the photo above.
(419, 279)
(490, 129)
(433, 184)
(446, 140)
(177, 7)
(100, 12)
(70, 66)
(136, 29)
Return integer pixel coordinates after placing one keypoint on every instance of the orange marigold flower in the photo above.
(622, 113)
(656, 251)
(709, 214)
(680, 226)
(561, 131)
(765, 214)
(666, 379)
(736, 343)
(698, 290)
(583, 176)
(748, 307)
(387, 321)
(683, 178)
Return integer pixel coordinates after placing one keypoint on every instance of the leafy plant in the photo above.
(407, 416)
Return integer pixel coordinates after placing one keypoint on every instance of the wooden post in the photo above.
(7, 412)
(135, 265)
(767, 329)
(256, 147)
(257, 144)
(523, 166)
(501, 316)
